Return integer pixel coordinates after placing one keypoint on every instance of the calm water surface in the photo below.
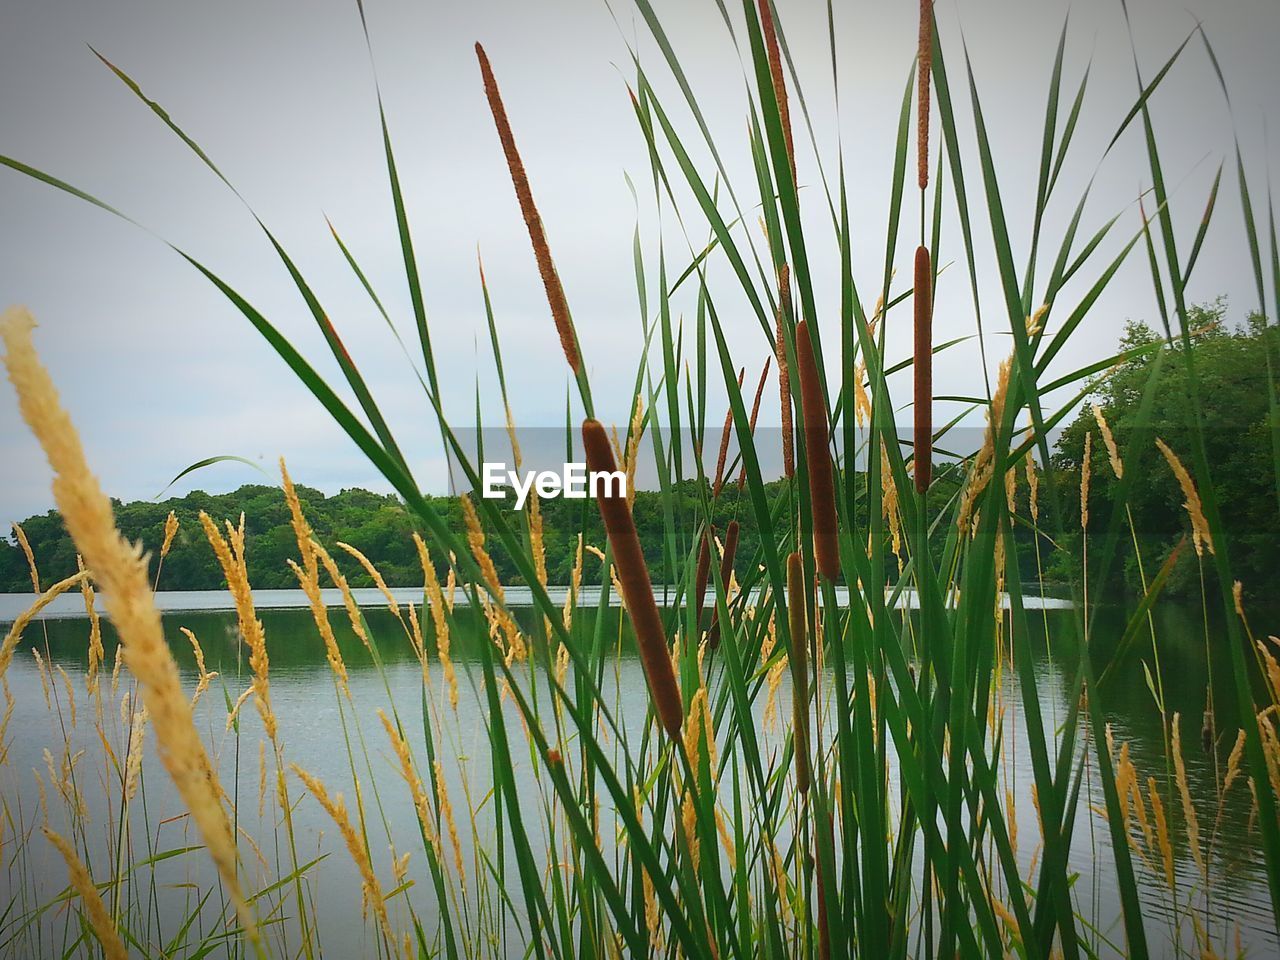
(315, 737)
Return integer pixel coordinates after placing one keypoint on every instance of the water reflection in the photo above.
(316, 728)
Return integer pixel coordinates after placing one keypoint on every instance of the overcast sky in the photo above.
(160, 371)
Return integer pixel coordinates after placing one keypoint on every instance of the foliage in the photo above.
(1231, 363)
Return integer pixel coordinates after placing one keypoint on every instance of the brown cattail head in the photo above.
(755, 412)
(633, 577)
(770, 31)
(725, 434)
(702, 574)
(826, 546)
(923, 367)
(726, 571)
(784, 372)
(537, 234)
(924, 69)
(799, 657)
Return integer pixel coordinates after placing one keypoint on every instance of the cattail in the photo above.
(784, 372)
(122, 571)
(924, 68)
(799, 656)
(23, 542)
(726, 573)
(170, 531)
(755, 411)
(637, 589)
(336, 808)
(923, 365)
(826, 545)
(725, 434)
(1200, 533)
(82, 883)
(532, 220)
(702, 575)
(770, 31)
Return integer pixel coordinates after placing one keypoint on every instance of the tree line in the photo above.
(1236, 409)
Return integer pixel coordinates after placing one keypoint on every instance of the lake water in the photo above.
(312, 731)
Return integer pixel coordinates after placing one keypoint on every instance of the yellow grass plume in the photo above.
(14, 635)
(231, 557)
(378, 581)
(170, 531)
(121, 570)
(1200, 534)
(31, 557)
(436, 601)
(96, 910)
(336, 808)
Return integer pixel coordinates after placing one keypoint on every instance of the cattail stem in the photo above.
(924, 68)
(537, 234)
(784, 372)
(726, 571)
(826, 545)
(633, 576)
(755, 412)
(824, 933)
(796, 617)
(923, 367)
(718, 484)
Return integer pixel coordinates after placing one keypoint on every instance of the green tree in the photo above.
(1231, 366)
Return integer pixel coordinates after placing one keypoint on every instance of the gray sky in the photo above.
(159, 370)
